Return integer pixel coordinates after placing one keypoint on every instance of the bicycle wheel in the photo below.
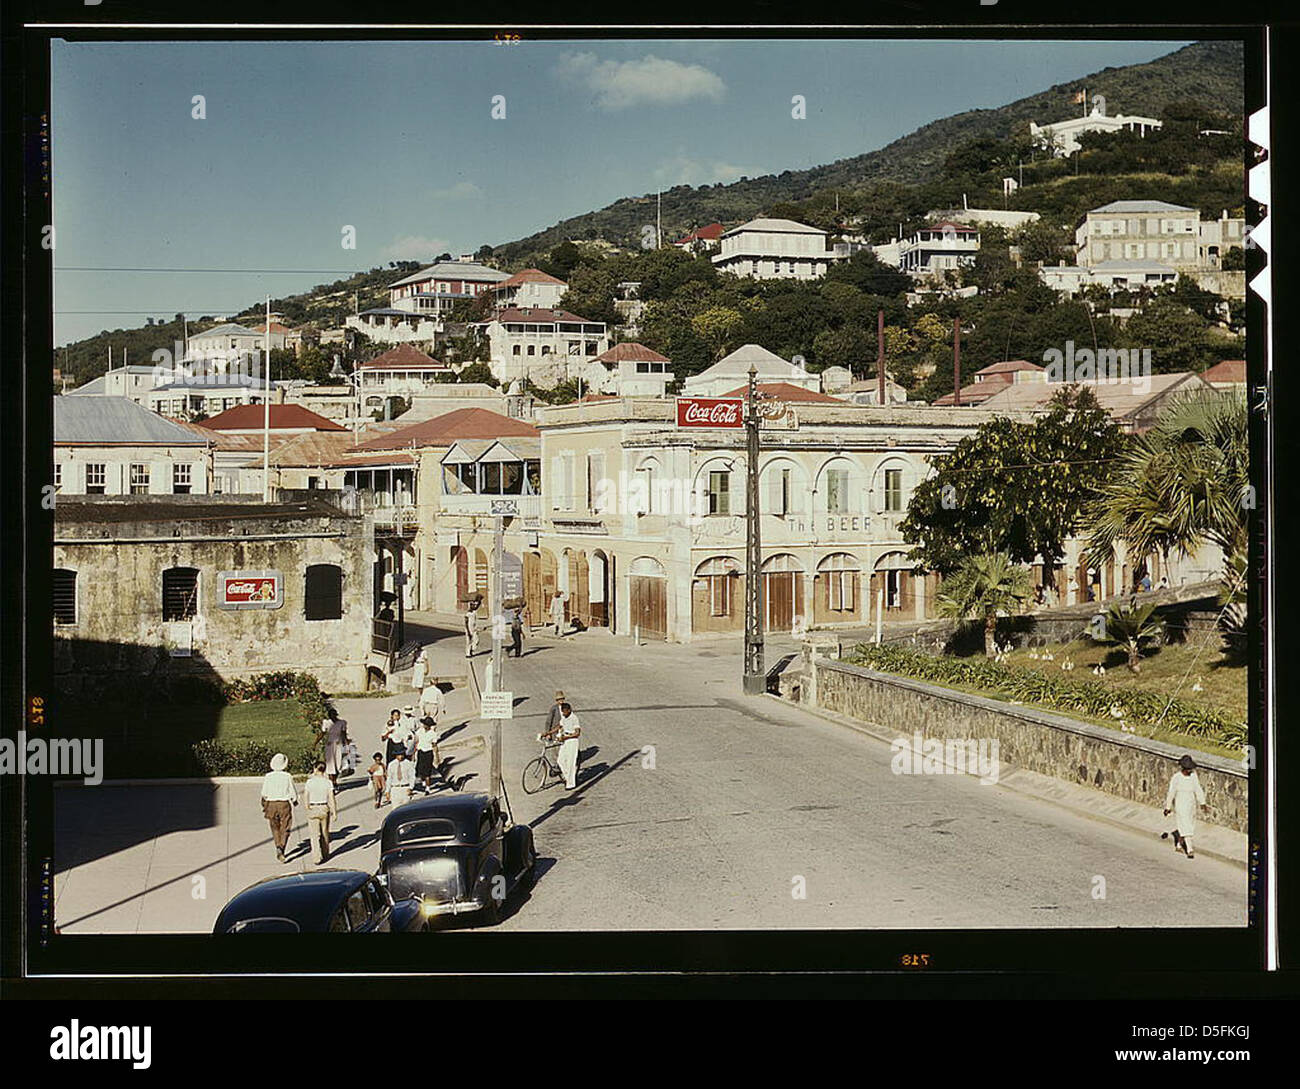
(534, 777)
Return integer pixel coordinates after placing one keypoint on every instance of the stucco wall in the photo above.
(119, 597)
(1138, 769)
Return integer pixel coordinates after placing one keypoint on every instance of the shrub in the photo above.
(244, 758)
(1086, 697)
(284, 685)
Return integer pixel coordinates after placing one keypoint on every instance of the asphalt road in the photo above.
(697, 807)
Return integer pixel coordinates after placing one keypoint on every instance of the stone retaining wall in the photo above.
(1134, 768)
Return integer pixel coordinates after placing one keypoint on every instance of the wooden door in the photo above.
(782, 594)
(649, 605)
(461, 559)
(579, 604)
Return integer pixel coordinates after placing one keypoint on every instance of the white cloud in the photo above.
(415, 247)
(462, 189)
(650, 81)
(681, 169)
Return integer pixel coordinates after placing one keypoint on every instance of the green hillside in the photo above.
(1205, 72)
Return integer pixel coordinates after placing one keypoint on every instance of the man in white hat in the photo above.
(278, 799)
(401, 779)
(405, 732)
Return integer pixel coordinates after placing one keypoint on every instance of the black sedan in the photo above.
(457, 854)
(320, 902)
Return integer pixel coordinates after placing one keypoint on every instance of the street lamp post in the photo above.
(755, 677)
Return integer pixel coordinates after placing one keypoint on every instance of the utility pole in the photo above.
(266, 412)
(880, 356)
(956, 361)
(498, 630)
(755, 678)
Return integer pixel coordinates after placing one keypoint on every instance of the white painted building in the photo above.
(1139, 230)
(438, 288)
(939, 248)
(630, 369)
(112, 446)
(774, 249)
(1061, 137)
(1113, 275)
(544, 345)
(529, 287)
(733, 370)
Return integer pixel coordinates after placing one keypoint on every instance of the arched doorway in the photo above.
(577, 601)
(893, 586)
(648, 597)
(837, 596)
(460, 558)
(598, 589)
(782, 591)
(539, 584)
(717, 596)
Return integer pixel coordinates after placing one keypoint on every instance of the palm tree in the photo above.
(985, 587)
(1132, 629)
(1183, 484)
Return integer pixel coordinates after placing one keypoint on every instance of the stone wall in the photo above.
(120, 550)
(1129, 767)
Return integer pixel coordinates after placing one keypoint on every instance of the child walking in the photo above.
(376, 771)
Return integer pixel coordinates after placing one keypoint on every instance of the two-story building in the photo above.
(438, 288)
(774, 249)
(530, 287)
(938, 248)
(403, 372)
(545, 345)
(1061, 137)
(112, 446)
(1139, 230)
(643, 521)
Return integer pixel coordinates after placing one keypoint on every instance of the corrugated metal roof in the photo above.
(117, 420)
(454, 270)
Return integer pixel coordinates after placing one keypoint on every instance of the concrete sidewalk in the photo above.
(165, 857)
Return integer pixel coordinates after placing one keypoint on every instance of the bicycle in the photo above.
(541, 770)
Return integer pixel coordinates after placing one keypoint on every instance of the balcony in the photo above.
(523, 506)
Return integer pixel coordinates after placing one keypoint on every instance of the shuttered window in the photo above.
(323, 598)
(180, 593)
(65, 597)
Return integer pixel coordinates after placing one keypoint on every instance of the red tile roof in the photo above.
(462, 423)
(250, 417)
(404, 357)
(528, 276)
(630, 349)
(786, 391)
(711, 233)
(1227, 371)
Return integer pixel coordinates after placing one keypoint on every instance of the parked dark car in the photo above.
(320, 902)
(449, 851)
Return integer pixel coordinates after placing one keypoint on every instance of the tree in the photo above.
(865, 271)
(718, 328)
(1131, 629)
(1019, 488)
(1183, 484)
(984, 587)
(1175, 334)
(477, 372)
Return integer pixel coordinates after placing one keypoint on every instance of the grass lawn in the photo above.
(156, 741)
(1173, 670)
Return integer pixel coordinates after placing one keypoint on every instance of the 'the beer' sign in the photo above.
(250, 590)
(710, 412)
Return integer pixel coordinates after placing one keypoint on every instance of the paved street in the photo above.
(696, 808)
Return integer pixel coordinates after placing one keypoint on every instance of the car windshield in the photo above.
(263, 926)
(426, 829)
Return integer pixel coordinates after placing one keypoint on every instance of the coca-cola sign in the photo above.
(710, 412)
(250, 589)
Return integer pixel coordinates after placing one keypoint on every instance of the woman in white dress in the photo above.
(421, 670)
(1185, 797)
(335, 730)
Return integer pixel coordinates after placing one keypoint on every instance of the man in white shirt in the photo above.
(318, 793)
(404, 735)
(278, 799)
(566, 732)
(401, 778)
(433, 704)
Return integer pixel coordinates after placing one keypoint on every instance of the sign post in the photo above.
(498, 632)
(755, 677)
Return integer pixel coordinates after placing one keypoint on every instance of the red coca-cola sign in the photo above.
(710, 412)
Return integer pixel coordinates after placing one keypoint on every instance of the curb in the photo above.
(1026, 783)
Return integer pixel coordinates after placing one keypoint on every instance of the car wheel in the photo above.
(491, 913)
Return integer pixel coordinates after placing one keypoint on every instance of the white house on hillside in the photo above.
(733, 370)
(1060, 137)
(529, 287)
(774, 249)
(543, 344)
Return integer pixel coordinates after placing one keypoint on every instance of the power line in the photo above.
(238, 271)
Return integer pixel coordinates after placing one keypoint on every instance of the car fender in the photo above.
(519, 842)
(407, 915)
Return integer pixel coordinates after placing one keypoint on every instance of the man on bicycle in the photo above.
(567, 731)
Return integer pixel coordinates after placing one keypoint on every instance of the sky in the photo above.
(397, 140)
